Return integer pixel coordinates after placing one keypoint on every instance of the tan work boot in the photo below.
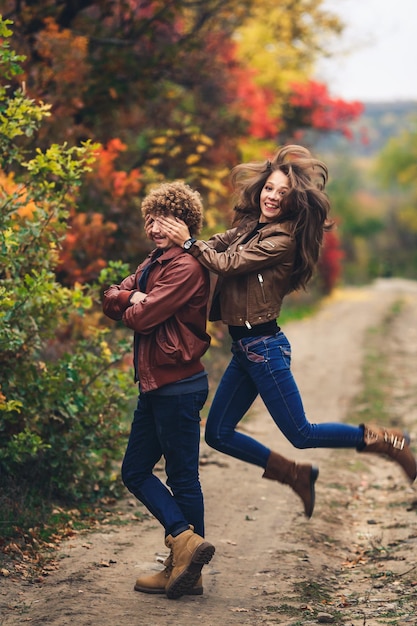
(393, 443)
(300, 477)
(189, 553)
(156, 583)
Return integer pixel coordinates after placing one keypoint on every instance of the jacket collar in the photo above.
(272, 227)
(167, 255)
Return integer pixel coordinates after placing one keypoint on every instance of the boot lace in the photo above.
(396, 441)
(168, 563)
(393, 440)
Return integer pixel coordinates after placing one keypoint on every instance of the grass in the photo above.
(296, 313)
(371, 404)
(310, 591)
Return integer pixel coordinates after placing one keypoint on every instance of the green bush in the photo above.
(61, 399)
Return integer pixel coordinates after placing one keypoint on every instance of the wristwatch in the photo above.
(187, 244)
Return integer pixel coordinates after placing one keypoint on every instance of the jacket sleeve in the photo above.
(175, 287)
(256, 254)
(221, 241)
(117, 298)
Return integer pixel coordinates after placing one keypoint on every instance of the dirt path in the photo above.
(354, 562)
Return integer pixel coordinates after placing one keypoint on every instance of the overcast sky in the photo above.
(377, 53)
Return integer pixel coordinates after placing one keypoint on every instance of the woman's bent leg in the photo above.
(234, 396)
(276, 385)
(268, 361)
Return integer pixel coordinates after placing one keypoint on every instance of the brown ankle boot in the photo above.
(156, 583)
(300, 477)
(392, 443)
(189, 553)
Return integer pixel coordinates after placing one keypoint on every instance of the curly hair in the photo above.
(306, 204)
(177, 199)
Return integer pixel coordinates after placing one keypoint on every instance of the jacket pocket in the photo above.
(175, 342)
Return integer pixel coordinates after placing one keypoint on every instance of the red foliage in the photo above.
(249, 100)
(83, 249)
(317, 109)
(329, 266)
(253, 104)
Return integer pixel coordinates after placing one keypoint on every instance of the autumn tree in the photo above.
(282, 52)
(171, 90)
(145, 74)
(60, 399)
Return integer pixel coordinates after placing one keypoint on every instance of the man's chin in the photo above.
(163, 244)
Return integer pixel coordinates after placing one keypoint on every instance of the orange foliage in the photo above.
(118, 183)
(53, 45)
(84, 247)
(85, 250)
(60, 69)
(59, 75)
(81, 257)
(9, 187)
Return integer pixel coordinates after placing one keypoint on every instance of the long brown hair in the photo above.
(306, 204)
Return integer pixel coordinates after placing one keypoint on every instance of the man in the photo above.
(165, 303)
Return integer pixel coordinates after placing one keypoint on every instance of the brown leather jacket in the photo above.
(170, 323)
(254, 276)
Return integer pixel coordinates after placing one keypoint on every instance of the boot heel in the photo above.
(190, 554)
(203, 554)
(314, 474)
(309, 506)
(299, 476)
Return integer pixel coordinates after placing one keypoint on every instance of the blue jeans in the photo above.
(167, 426)
(261, 365)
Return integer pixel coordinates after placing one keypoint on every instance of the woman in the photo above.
(282, 212)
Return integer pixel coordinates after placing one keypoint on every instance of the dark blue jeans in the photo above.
(261, 365)
(167, 426)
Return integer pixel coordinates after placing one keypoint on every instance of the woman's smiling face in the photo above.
(276, 186)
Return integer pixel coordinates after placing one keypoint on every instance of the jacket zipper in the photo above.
(261, 282)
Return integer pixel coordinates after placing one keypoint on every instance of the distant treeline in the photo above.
(379, 122)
